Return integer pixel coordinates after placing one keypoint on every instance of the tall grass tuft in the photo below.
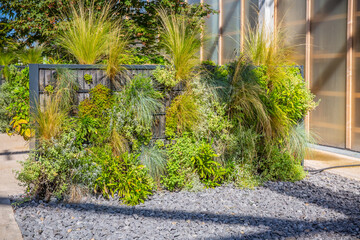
(85, 32)
(155, 161)
(181, 40)
(267, 48)
(31, 55)
(49, 119)
(141, 99)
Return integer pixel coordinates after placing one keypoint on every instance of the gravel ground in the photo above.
(323, 206)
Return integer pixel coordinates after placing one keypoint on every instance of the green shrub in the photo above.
(155, 161)
(48, 170)
(123, 175)
(165, 76)
(5, 101)
(209, 171)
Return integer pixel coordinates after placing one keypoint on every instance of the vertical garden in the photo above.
(237, 124)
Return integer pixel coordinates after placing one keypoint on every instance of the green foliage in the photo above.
(48, 170)
(210, 172)
(181, 40)
(49, 89)
(186, 157)
(88, 78)
(182, 115)
(123, 175)
(5, 101)
(31, 55)
(101, 100)
(165, 76)
(281, 166)
(39, 21)
(6, 58)
(19, 107)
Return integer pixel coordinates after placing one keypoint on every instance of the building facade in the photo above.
(326, 36)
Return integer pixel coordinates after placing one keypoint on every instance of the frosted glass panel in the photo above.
(355, 133)
(292, 16)
(251, 12)
(328, 68)
(193, 1)
(211, 45)
(231, 29)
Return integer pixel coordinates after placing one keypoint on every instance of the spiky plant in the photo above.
(85, 32)
(246, 103)
(141, 100)
(268, 48)
(155, 161)
(6, 58)
(116, 52)
(181, 40)
(31, 55)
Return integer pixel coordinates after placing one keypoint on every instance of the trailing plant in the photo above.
(124, 176)
(5, 101)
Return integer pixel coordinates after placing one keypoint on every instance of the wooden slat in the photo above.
(308, 56)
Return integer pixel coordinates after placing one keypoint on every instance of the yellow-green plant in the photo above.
(116, 52)
(267, 48)
(6, 58)
(31, 55)
(85, 32)
(181, 40)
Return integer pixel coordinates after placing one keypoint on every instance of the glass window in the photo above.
(328, 70)
(211, 45)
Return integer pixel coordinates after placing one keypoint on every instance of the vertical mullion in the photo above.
(220, 32)
(308, 56)
(242, 25)
(349, 74)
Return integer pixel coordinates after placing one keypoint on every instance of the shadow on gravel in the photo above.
(278, 228)
(342, 201)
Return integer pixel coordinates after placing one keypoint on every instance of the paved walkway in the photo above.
(324, 157)
(12, 150)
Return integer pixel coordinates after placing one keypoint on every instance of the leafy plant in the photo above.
(49, 89)
(124, 176)
(165, 76)
(19, 108)
(88, 78)
(210, 172)
(181, 40)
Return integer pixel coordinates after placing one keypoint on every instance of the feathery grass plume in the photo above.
(181, 40)
(298, 141)
(119, 144)
(31, 55)
(267, 48)
(141, 99)
(6, 58)
(246, 99)
(116, 51)
(155, 161)
(85, 32)
(49, 119)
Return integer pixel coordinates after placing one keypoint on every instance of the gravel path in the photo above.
(323, 206)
